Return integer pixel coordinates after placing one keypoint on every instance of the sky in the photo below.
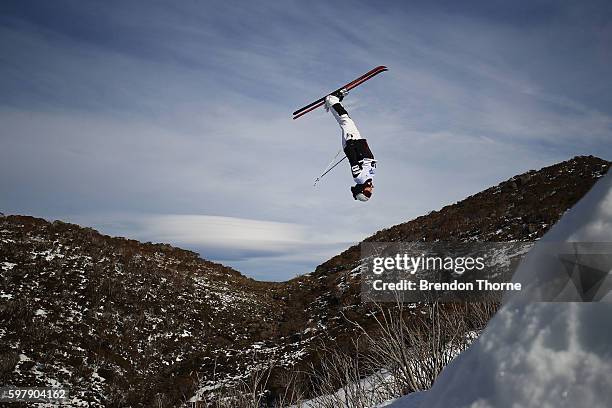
(171, 121)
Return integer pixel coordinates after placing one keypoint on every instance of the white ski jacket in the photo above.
(364, 170)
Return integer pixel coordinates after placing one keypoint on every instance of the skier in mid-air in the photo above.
(356, 149)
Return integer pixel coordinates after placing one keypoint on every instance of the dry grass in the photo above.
(405, 352)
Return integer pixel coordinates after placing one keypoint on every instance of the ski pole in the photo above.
(327, 171)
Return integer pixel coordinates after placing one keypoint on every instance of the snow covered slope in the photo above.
(536, 354)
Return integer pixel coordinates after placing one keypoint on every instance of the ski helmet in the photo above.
(361, 197)
(359, 192)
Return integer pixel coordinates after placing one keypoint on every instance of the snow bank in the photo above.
(535, 354)
(412, 400)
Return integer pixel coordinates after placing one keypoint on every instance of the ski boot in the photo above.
(334, 98)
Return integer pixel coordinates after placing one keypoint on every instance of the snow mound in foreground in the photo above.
(535, 354)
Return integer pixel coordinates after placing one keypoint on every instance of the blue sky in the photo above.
(171, 121)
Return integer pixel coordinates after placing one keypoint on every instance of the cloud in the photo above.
(185, 109)
(225, 232)
(282, 250)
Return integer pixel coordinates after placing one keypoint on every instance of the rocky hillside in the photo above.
(107, 315)
(521, 208)
(122, 323)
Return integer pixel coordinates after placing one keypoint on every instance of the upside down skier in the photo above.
(356, 149)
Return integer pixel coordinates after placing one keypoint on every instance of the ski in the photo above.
(320, 102)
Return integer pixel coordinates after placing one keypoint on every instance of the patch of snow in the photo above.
(96, 377)
(371, 385)
(41, 312)
(356, 271)
(412, 400)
